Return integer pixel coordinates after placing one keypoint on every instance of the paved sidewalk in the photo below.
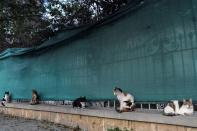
(8, 123)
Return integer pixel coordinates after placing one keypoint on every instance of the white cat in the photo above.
(173, 108)
(187, 108)
(126, 100)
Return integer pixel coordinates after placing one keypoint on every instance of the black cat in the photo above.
(79, 102)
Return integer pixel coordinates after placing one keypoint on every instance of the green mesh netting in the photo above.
(149, 52)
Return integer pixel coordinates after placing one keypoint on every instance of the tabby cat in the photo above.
(35, 98)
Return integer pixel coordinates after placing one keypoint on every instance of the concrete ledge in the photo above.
(142, 116)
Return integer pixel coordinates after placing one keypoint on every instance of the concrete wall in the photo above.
(91, 123)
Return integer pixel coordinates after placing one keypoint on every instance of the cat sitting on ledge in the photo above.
(6, 98)
(173, 108)
(126, 100)
(79, 102)
(35, 98)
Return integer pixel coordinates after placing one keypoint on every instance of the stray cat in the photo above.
(169, 110)
(187, 108)
(6, 98)
(173, 108)
(126, 100)
(80, 102)
(35, 98)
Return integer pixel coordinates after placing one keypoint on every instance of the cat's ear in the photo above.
(184, 100)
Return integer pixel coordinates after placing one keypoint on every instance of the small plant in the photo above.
(76, 128)
(118, 129)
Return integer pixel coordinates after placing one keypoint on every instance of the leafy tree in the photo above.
(27, 23)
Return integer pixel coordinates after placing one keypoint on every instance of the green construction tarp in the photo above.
(148, 50)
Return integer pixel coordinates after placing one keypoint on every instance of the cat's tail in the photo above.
(125, 110)
(118, 110)
(2, 103)
(133, 107)
(169, 114)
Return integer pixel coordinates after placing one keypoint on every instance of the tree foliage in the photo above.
(27, 23)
